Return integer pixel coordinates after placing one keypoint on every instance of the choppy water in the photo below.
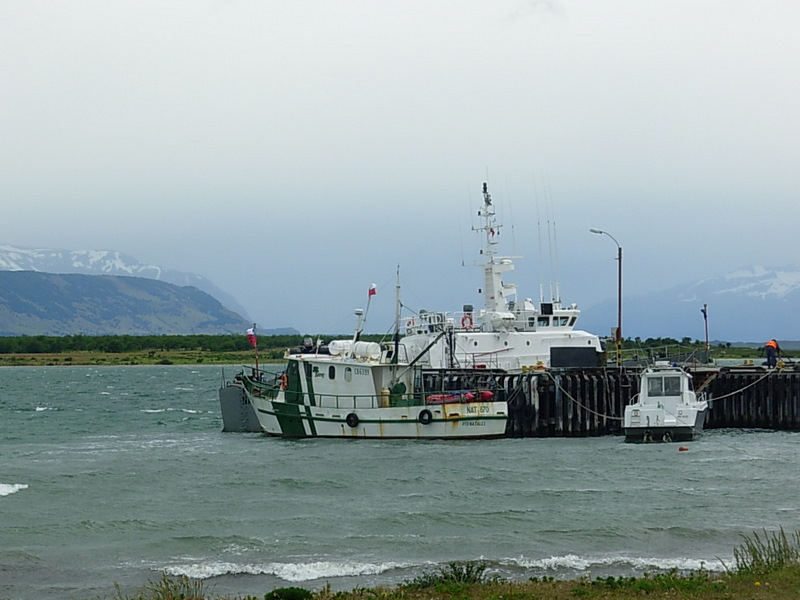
(115, 474)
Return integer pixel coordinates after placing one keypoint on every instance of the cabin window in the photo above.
(348, 374)
(531, 321)
(672, 386)
(572, 321)
(562, 321)
(664, 386)
(475, 343)
(543, 322)
(308, 369)
(331, 372)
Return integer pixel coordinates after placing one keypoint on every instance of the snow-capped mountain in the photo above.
(105, 262)
(751, 304)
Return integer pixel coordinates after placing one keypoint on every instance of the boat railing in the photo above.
(482, 360)
(435, 322)
(355, 401)
(259, 380)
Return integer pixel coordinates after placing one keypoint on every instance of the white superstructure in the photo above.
(508, 333)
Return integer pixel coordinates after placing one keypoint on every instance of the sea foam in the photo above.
(6, 489)
(293, 572)
(587, 563)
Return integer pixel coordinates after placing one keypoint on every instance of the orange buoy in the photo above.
(683, 449)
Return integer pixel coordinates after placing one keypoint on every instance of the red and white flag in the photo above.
(251, 335)
(373, 289)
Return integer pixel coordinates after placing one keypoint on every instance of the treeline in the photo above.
(42, 344)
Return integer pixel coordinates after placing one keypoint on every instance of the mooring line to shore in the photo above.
(749, 385)
(616, 418)
(583, 406)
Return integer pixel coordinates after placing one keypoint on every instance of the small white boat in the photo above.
(666, 409)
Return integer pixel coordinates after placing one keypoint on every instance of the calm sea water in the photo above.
(117, 474)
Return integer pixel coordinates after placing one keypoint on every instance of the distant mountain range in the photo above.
(752, 304)
(103, 292)
(34, 303)
(106, 262)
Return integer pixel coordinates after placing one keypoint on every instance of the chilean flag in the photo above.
(251, 335)
(373, 289)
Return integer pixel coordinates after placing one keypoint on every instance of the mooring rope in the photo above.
(583, 406)
(749, 385)
(615, 418)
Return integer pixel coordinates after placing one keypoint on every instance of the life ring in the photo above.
(284, 381)
(352, 420)
(466, 321)
(425, 417)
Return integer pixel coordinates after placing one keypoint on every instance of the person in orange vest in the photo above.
(773, 352)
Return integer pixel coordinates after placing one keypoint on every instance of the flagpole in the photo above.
(254, 341)
(373, 289)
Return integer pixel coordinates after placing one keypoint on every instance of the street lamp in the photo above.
(619, 293)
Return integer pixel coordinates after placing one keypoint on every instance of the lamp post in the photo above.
(619, 293)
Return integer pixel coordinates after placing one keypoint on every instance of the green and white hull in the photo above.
(473, 420)
(358, 392)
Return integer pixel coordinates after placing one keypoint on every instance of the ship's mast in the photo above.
(494, 290)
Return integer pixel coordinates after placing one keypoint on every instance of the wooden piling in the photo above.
(591, 402)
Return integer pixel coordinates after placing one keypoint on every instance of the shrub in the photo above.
(458, 573)
(289, 593)
(168, 588)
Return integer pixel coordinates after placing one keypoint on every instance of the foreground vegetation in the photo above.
(235, 349)
(767, 566)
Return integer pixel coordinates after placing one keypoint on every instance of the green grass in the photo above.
(767, 553)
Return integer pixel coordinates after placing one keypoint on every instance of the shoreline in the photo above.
(467, 582)
(149, 357)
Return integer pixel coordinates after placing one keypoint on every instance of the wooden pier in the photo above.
(591, 402)
(581, 403)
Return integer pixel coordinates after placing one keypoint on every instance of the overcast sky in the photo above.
(296, 152)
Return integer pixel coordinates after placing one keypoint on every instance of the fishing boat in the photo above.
(441, 379)
(356, 389)
(666, 408)
(508, 333)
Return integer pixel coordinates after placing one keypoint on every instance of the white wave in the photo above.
(44, 408)
(6, 489)
(294, 572)
(317, 570)
(161, 410)
(581, 563)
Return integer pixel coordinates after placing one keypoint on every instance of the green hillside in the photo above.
(33, 303)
